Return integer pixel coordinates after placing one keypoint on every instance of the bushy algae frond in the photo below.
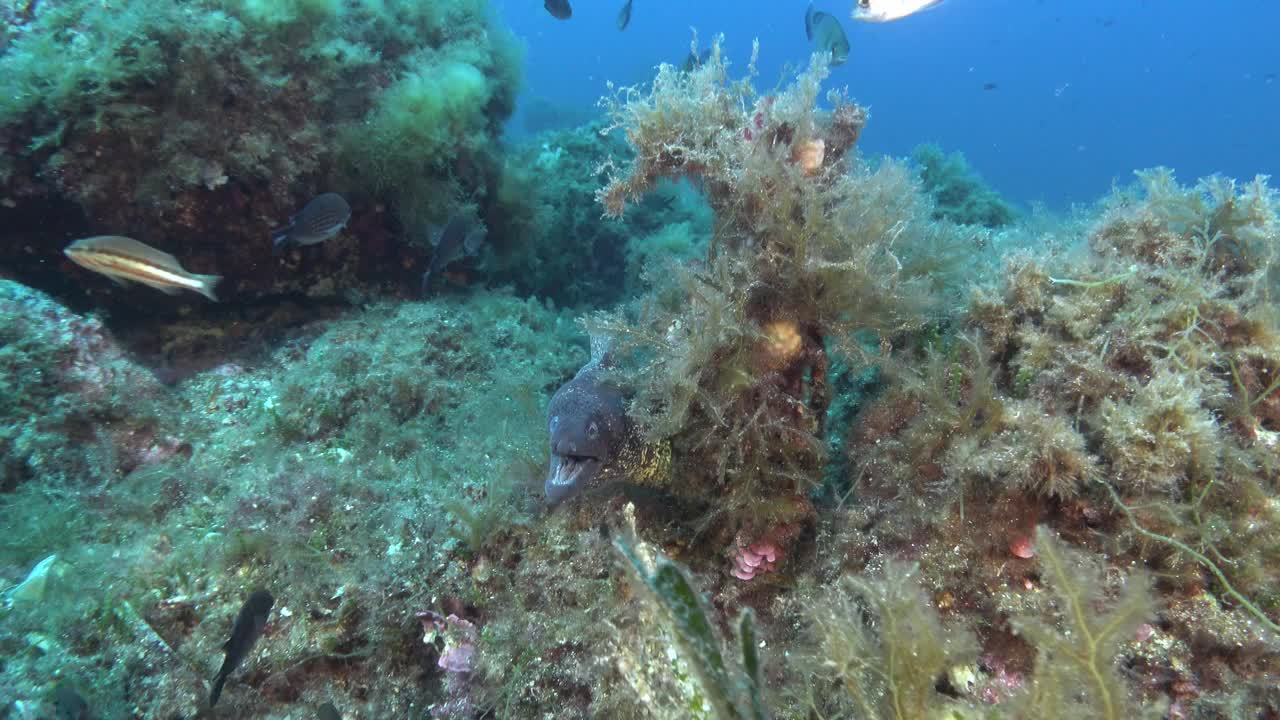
(884, 643)
(1150, 362)
(1129, 391)
(730, 356)
(961, 195)
(1075, 673)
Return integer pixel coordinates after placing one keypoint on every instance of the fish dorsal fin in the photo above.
(474, 240)
(137, 250)
(601, 347)
(455, 228)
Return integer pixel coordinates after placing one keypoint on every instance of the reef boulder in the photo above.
(199, 127)
(74, 408)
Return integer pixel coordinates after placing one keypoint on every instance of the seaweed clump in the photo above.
(1121, 393)
(548, 238)
(884, 646)
(885, 650)
(879, 647)
(960, 195)
(1075, 667)
(729, 356)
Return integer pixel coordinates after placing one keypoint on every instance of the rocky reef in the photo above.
(273, 486)
(198, 127)
(900, 462)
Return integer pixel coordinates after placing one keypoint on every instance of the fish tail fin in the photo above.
(216, 692)
(279, 239)
(207, 284)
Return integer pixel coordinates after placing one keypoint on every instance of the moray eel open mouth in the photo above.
(568, 474)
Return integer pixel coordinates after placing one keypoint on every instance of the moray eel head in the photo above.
(586, 423)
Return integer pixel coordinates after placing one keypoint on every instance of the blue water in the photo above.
(1087, 91)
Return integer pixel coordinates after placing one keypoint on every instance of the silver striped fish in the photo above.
(125, 259)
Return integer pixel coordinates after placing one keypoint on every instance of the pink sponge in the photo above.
(755, 559)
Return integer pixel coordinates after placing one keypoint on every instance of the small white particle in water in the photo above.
(286, 612)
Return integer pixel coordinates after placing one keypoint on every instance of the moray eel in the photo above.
(588, 425)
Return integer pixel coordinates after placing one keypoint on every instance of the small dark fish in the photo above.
(693, 60)
(990, 86)
(458, 239)
(587, 422)
(244, 633)
(827, 35)
(559, 9)
(320, 220)
(328, 712)
(624, 16)
(68, 705)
